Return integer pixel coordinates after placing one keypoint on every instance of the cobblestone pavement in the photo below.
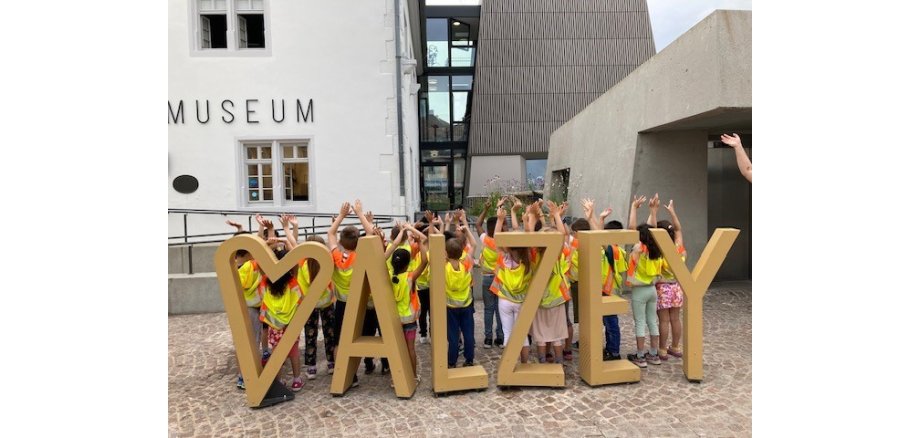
(204, 400)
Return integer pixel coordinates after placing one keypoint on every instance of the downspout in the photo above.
(397, 9)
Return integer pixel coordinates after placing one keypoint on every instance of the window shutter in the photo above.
(244, 35)
(205, 33)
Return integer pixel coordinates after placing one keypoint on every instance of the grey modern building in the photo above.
(499, 78)
(658, 130)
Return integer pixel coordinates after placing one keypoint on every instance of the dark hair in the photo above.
(645, 236)
(613, 225)
(538, 226)
(490, 226)
(242, 253)
(277, 287)
(312, 264)
(667, 225)
(454, 249)
(449, 235)
(400, 261)
(581, 224)
(523, 254)
(393, 233)
(348, 238)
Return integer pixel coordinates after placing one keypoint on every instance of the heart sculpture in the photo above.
(259, 380)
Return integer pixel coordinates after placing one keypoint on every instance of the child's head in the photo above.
(277, 287)
(613, 225)
(449, 235)
(348, 238)
(645, 236)
(522, 255)
(490, 226)
(667, 225)
(243, 256)
(580, 224)
(394, 233)
(454, 249)
(400, 261)
(312, 264)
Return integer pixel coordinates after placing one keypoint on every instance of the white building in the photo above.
(291, 106)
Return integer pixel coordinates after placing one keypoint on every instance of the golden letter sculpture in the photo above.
(442, 378)
(370, 277)
(695, 287)
(257, 379)
(594, 306)
(510, 372)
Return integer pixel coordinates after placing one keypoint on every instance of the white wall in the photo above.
(341, 55)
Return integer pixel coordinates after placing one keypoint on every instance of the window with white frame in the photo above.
(276, 172)
(231, 24)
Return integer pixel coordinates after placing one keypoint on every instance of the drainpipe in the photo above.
(397, 14)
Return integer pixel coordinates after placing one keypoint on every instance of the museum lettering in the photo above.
(248, 110)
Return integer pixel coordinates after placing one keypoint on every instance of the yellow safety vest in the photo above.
(459, 283)
(278, 311)
(489, 255)
(667, 276)
(251, 279)
(407, 304)
(510, 283)
(644, 271)
(326, 298)
(573, 262)
(425, 277)
(341, 276)
(613, 278)
(557, 290)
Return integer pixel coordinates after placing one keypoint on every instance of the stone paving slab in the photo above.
(204, 400)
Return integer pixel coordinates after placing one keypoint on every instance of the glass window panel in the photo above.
(220, 5)
(252, 153)
(437, 124)
(297, 180)
(253, 195)
(289, 152)
(434, 187)
(436, 33)
(266, 152)
(266, 181)
(302, 152)
(462, 57)
(253, 182)
(460, 131)
(253, 170)
(266, 169)
(461, 83)
(258, 5)
(536, 170)
(267, 195)
(459, 168)
(460, 98)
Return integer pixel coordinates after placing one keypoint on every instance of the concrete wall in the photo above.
(341, 55)
(699, 80)
(196, 293)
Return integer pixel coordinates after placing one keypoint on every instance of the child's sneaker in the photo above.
(549, 357)
(423, 340)
(567, 355)
(652, 359)
(297, 384)
(384, 369)
(330, 368)
(500, 341)
(675, 353)
(239, 382)
(369, 367)
(265, 355)
(311, 373)
(468, 363)
(487, 343)
(662, 356)
(639, 361)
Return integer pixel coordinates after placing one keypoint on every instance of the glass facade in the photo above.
(445, 102)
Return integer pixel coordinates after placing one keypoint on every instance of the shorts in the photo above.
(409, 331)
(670, 295)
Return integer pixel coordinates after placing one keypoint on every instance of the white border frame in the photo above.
(278, 204)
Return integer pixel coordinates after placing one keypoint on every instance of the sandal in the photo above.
(675, 353)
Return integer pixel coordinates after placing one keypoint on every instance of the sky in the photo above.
(670, 18)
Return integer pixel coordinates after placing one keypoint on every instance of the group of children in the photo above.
(506, 276)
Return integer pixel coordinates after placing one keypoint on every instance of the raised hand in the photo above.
(654, 202)
(429, 215)
(638, 201)
(357, 208)
(369, 216)
(731, 140)
(517, 204)
(345, 209)
(587, 205)
(563, 207)
(670, 206)
(236, 225)
(293, 220)
(605, 213)
(285, 219)
(500, 214)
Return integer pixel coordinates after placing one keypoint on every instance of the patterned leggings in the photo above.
(312, 329)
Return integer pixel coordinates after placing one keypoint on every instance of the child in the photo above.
(459, 280)
(487, 259)
(421, 283)
(512, 278)
(580, 224)
(549, 325)
(407, 305)
(644, 269)
(324, 310)
(279, 306)
(343, 256)
(613, 265)
(670, 295)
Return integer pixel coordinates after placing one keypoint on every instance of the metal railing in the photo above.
(319, 223)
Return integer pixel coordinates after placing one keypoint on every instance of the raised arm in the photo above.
(500, 219)
(402, 232)
(482, 217)
(637, 201)
(538, 213)
(556, 212)
(472, 240)
(514, 212)
(678, 234)
(237, 225)
(332, 236)
(419, 236)
(587, 205)
(530, 218)
(603, 217)
(653, 204)
(290, 240)
(368, 226)
(423, 250)
(744, 163)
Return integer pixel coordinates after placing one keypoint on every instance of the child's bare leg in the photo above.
(558, 350)
(640, 344)
(664, 322)
(676, 328)
(568, 340)
(541, 351)
(295, 362)
(525, 354)
(413, 358)
(265, 339)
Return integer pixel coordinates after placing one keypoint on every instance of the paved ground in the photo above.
(204, 401)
